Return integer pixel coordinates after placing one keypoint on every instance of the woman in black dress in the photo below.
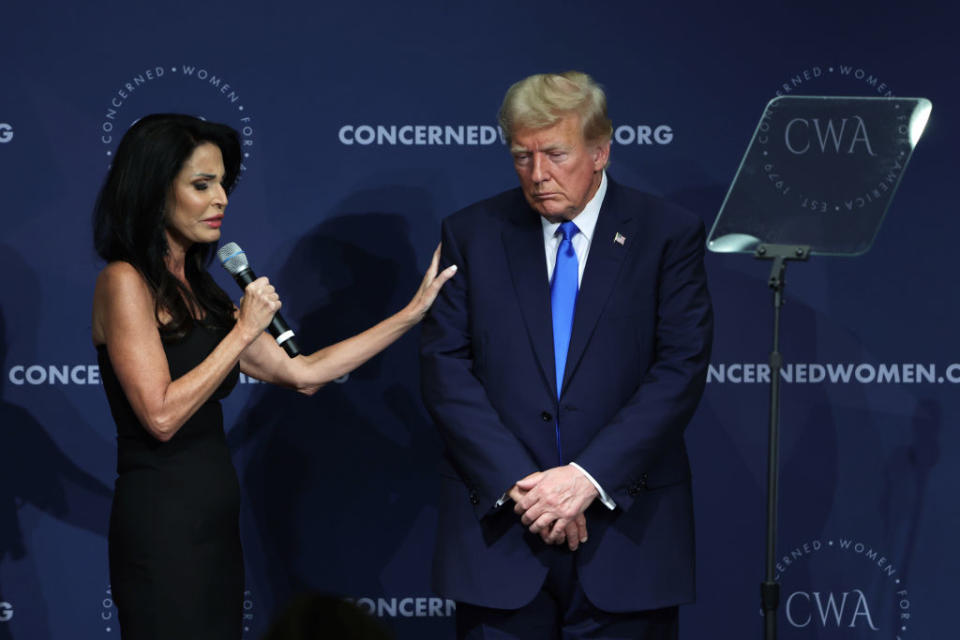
(170, 345)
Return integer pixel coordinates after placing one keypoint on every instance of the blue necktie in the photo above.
(563, 298)
(563, 301)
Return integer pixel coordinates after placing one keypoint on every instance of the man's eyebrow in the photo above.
(546, 149)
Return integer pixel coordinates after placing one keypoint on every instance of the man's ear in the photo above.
(601, 155)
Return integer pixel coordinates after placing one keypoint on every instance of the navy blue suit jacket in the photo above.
(635, 372)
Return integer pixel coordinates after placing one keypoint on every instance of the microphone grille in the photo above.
(232, 257)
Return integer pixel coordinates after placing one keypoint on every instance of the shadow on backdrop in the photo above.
(905, 477)
(34, 470)
(335, 482)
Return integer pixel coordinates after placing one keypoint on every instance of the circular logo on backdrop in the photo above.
(6, 132)
(180, 88)
(849, 135)
(834, 79)
(842, 588)
(6, 611)
(111, 625)
(815, 141)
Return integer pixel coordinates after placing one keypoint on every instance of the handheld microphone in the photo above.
(234, 260)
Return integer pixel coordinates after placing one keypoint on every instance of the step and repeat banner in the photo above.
(364, 125)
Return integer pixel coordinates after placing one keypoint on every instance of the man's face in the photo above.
(559, 171)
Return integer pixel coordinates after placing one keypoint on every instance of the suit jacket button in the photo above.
(546, 417)
(632, 490)
(643, 480)
(474, 497)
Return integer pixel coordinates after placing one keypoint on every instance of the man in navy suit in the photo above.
(561, 367)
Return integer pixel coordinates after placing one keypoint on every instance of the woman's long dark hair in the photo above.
(130, 215)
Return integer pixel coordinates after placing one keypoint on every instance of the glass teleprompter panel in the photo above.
(820, 171)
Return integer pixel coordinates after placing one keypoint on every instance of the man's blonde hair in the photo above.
(544, 99)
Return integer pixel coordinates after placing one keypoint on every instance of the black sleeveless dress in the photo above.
(176, 566)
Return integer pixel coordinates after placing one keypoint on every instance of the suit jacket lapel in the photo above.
(603, 264)
(523, 242)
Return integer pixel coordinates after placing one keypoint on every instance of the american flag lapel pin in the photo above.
(619, 238)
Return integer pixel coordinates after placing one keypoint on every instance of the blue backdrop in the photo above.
(364, 125)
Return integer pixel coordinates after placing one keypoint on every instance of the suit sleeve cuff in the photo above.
(607, 501)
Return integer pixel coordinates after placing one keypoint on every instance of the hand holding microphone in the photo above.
(234, 260)
(257, 307)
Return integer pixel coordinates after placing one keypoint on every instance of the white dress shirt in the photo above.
(586, 222)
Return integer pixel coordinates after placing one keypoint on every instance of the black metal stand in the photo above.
(770, 588)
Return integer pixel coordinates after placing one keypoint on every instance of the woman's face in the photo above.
(198, 199)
